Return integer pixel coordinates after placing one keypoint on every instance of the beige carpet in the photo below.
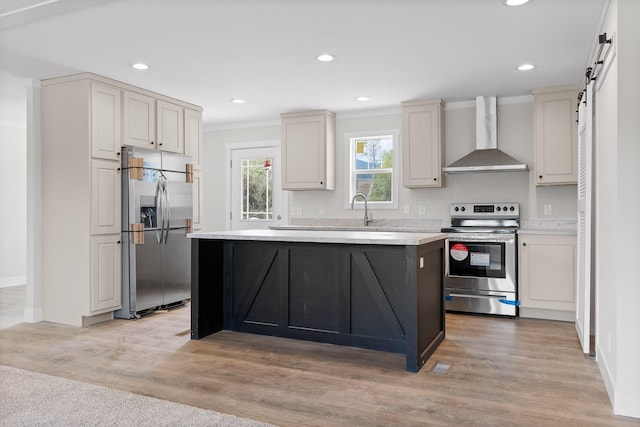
(33, 399)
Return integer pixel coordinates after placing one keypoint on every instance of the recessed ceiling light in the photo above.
(362, 98)
(140, 66)
(325, 57)
(238, 101)
(515, 2)
(526, 67)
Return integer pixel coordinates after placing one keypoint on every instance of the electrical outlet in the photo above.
(547, 209)
(422, 210)
(407, 209)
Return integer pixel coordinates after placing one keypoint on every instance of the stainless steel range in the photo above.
(481, 261)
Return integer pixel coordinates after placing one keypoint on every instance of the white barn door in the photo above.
(585, 309)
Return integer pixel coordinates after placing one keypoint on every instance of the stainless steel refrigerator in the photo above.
(157, 211)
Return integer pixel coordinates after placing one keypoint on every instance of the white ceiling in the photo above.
(209, 51)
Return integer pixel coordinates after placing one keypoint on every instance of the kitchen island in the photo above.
(368, 289)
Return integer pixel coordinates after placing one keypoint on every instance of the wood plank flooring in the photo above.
(503, 372)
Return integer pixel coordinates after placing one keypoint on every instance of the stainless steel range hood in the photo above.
(486, 157)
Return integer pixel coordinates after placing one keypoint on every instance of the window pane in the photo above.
(381, 188)
(363, 183)
(373, 152)
(377, 187)
(257, 188)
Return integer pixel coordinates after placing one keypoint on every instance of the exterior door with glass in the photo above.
(256, 199)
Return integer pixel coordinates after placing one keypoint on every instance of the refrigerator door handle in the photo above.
(167, 216)
(160, 206)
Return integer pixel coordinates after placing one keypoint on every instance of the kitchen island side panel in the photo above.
(430, 312)
(207, 278)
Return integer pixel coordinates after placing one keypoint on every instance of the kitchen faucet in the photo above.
(367, 220)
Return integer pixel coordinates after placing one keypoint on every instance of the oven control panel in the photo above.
(480, 210)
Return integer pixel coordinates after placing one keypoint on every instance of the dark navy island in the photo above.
(368, 289)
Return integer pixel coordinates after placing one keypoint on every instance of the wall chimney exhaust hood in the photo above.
(486, 157)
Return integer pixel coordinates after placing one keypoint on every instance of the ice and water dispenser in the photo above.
(148, 211)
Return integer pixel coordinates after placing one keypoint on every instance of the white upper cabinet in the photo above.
(139, 121)
(308, 150)
(193, 135)
(106, 132)
(422, 143)
(555, 136)
(170, 132)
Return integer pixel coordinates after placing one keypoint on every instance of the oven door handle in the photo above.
(501, 298)
(479, 296)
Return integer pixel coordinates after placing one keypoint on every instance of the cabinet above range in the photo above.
(422, 143)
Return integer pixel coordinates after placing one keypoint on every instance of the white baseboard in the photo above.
(604, 373)
(5, 282)
(624, 403)
(540, 313)
(33, 316)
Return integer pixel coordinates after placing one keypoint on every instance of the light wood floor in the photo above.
(504, 372)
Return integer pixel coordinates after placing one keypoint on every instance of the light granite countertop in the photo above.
(325, 236)
(549, 231)
(384, 228)
(549, 227)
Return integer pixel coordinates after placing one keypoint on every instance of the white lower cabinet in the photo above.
(547, 276)
(106, 267)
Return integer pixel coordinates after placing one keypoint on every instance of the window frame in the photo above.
(350, 173)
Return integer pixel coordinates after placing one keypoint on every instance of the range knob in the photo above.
(512, 208)
(504, 209)
(462, 209)
(498, 208)
(456, 209)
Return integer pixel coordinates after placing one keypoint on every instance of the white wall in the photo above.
(13, 202)
(618, 204)
(515, 136)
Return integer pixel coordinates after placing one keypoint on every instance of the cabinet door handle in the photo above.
(151, 142)
(540, 176)
(524, 244)
(435, 179)
(118, 153)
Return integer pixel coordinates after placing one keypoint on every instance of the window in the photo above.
(257, 184)
(371, 168)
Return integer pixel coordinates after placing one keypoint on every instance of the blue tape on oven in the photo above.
(510, 302)
(448, 298)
